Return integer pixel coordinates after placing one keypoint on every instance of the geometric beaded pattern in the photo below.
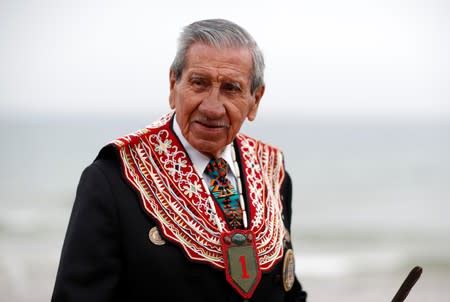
(224, 192)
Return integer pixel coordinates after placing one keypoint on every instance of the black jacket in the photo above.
(107, 254)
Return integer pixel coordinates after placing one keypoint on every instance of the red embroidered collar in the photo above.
(156, 165)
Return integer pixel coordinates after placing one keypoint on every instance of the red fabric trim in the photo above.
(157, 166)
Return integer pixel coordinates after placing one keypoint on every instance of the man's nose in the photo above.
(212, 105)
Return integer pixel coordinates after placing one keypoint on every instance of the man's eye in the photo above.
(231, 87)
(198, 82)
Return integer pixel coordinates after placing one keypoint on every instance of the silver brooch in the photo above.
(154, 237)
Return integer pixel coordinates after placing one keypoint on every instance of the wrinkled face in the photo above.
(213, 98)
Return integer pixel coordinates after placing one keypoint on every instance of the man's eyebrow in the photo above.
(195, 75)
(230, 80)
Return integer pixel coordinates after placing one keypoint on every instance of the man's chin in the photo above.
(210, 148)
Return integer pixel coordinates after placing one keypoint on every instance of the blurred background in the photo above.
(357, 96)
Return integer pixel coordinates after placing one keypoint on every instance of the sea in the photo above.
(371, 199)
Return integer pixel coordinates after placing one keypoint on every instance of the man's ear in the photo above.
(256, 100)
(172, 83)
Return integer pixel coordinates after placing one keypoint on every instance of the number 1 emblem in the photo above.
(241, 261)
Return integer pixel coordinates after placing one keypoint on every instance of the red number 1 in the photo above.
(244, 268)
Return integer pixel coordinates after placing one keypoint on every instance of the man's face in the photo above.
(213, 98)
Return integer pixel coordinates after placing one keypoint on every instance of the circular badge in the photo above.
(288, 270)
(154, 236)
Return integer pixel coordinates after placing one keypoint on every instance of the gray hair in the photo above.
(219, 33)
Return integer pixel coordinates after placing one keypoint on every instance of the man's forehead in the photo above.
(230, 61)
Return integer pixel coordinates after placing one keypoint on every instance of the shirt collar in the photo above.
(199, 160)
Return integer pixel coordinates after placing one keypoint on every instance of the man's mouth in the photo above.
(213, 124)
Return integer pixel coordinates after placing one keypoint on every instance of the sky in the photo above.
(324, 57)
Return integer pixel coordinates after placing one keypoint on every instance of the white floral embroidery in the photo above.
(192, 189)
(181, 163)
(162, 147)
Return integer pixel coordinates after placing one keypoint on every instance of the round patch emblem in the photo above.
(154, 236)
(288, 270)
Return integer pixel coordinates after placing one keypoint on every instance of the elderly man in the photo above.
(187, 209)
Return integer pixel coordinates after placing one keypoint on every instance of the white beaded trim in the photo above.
(239, 185)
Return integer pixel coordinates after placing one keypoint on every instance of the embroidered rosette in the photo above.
(155, 163)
